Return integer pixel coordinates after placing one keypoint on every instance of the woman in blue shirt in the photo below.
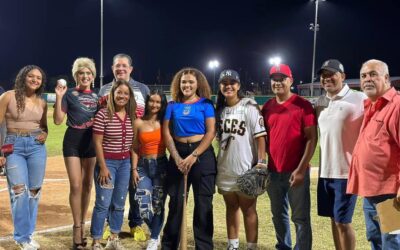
(188, 130)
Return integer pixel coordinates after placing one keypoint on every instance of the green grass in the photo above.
(55, 139)
(322, 238)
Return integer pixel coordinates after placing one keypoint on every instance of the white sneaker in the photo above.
(231, 247)
(97, 246)
(114, 244)
(152, 244)
(26, 246)
(35, 243)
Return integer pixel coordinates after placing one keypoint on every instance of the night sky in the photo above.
(164, 36)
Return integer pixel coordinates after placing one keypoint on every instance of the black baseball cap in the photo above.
(229, 74)
(332, 65)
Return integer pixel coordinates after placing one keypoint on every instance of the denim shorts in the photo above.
(333, 201)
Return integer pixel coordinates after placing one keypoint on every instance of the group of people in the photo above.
(117, 139)
(360, 150)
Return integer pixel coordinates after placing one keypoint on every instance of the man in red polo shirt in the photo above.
(291, 125)
(375, 166)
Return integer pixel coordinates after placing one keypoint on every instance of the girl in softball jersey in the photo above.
(241, 136)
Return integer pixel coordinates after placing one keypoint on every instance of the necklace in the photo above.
(192, 99)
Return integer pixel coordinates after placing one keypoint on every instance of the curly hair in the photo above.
(164, 103)
(20, 86)
(81, 63)
(203, 88)
(130, 107)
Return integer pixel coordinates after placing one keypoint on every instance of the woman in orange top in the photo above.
(149, 165)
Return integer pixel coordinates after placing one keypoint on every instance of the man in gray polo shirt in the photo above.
(340, 114)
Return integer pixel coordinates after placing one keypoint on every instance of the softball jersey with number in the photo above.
(238, 128)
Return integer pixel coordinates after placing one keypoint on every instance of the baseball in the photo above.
(62, 82)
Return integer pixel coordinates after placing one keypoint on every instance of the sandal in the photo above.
(76, 245)
(84, 239)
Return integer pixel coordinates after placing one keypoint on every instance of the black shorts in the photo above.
(78, 143)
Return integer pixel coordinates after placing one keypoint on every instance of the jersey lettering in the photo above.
(233, 127)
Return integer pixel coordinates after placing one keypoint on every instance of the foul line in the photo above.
(45, 180)
(50, 230)
(55, 229)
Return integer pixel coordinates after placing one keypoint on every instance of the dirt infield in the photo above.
(54, 209)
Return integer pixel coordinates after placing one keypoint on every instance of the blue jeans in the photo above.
(25, 173)
(134, 218)
(150, 193)
(377, 239)
(110, 201)
(281, 196)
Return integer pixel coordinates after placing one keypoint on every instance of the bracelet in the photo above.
(134, 169)
(263, 161)
(195, 154)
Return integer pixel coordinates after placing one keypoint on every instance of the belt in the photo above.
(25, 134)
(187, 143)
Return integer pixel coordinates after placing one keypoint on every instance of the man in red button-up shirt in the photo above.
(375, 167)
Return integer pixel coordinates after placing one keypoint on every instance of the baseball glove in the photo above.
(254, 181)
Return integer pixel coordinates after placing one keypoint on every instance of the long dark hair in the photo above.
(20, 86)
(130, 106)
(221, 101)
(161, 113)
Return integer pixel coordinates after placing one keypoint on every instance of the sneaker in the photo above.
(26, 246)
(114, 244)
(153, 244)
(231, 247)
(35, 243)
(138, 234)
(106, 233)
(97, 246)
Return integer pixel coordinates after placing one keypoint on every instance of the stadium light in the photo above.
(314, 27)
(275, 60)
(101, 43)
(213, 64)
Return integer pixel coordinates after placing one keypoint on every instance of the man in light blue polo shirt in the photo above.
(340, 114)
